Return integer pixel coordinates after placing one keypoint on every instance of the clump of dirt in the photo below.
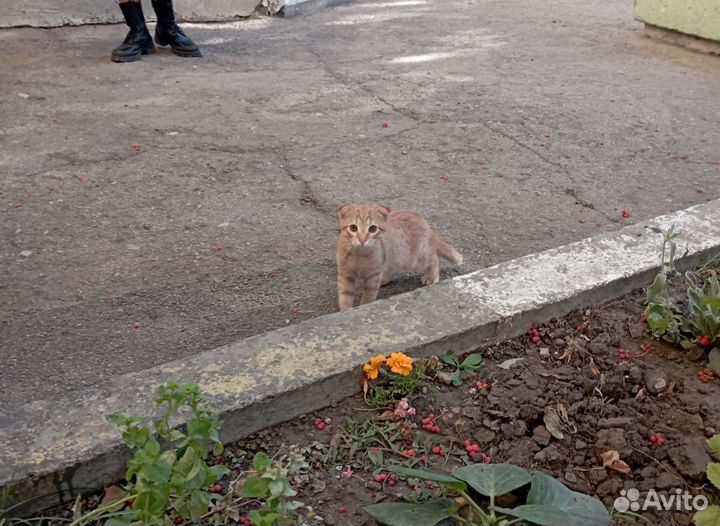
(613, 385)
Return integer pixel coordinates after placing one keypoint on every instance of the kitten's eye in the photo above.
(372, 229)
(353, 228)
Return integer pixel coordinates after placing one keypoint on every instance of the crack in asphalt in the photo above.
(307, 196)
(571, 190)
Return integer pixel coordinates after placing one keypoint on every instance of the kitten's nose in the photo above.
(362, 241)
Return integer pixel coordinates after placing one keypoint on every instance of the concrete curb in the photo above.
(56, 446)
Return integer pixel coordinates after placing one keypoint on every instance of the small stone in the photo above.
(550, 456)
(616, 422)
(635, 374)
(691, 458)
(636, 330)
(517, 428)
(597, 348)
(710, 431)
(656, 381)
(610, 439)
(579, 444)
(541, 436)
(375, 486)
(571, 477)
(666, 481)
(26, 253)
(444, 377)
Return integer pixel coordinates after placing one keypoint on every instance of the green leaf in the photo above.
(263, 518)
(493, 480)
(123, 519)
(445, 480)
(404, 514)
(117, 419)
(261, 462)
(713, 474)
(541, 514)
(714, 444)
(457, 378)
(157, 471)
(215, 473)
(472, 362)
(255, 487)
(151, 504)
(136, 437)
(375, 456)
(584, 510)
(199, 503)
(151, 449)
(714, 360)
(186, 462)
(449, 358)
(710, 516)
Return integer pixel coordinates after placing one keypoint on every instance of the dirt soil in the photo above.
(581, 369)
(578, 363)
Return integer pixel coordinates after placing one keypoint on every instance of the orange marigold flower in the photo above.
(400, 363)
(372, 369)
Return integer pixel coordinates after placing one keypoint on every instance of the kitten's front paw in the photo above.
(428, 280)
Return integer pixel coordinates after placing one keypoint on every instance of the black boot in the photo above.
(167, 31)
(138, 41)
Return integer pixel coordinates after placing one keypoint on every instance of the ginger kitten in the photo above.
(378, 244)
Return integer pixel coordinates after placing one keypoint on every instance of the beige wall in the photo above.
(693, 17)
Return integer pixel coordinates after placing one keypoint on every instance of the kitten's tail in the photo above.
(446, 251)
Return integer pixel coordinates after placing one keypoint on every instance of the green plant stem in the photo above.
(478, 509)
(101, 510)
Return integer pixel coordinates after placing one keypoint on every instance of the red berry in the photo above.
(437, 450)
(653, 439)
(343, 509)
(136, 325)
(319, 424)
(386, 125)
(626, 213)
(410, 452)
(219, 459)
(380, 477)
(536, 339)
(476, 448)
(467, 443)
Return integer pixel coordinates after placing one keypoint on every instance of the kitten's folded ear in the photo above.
(343, 210)
(384, 210)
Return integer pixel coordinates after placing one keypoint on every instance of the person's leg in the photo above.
(138, 41)
(167, 31)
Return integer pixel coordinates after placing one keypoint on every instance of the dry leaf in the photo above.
(552, 422)
(594, 368)
(641, 394)
(387, 416)
(567, 355)
(608, 457)
(113, 494)
(611, 460)
(562, 412)
(669, 390)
